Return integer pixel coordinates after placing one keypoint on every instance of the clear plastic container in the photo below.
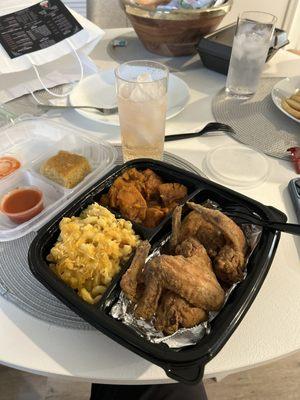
(34, 140)
(236, 165)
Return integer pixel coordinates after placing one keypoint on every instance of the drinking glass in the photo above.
(251, 43)
(142, 102)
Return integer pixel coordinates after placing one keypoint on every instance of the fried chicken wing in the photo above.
(176, 226)
(189, 316)
(130, 279)
(191, 278)
(192, 248)
(227, 226)
(174, 312)
(194, 225)
(229, 262)
(179, 290)
(229, 265)
(148, 302)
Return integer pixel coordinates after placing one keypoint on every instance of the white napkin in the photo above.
(282, 64)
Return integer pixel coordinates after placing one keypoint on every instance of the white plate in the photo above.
(99, 90)
(285, 88)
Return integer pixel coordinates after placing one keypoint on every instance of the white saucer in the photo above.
(285, 88)
(99, 90)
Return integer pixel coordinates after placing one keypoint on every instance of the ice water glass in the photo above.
(251, 43)
(142, 102)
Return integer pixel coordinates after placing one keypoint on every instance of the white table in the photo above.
(271, 328)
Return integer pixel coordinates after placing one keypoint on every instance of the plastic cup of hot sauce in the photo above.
(22, 204)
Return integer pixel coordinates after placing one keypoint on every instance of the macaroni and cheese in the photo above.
(90, 249)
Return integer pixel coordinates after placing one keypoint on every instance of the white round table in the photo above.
(271, 328)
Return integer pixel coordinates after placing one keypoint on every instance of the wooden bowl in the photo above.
(176, 32)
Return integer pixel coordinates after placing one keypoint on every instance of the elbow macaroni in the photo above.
(90, 249)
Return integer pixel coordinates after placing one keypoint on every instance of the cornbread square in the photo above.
(66, 169)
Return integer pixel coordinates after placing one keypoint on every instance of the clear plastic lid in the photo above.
(237, 165)
(32, 141)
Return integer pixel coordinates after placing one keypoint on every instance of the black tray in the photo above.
(186, 365)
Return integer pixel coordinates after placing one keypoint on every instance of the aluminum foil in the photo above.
(123, 309)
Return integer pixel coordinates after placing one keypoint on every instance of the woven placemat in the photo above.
(258, 122)
(20, 287)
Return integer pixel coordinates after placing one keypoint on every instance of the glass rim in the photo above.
(158, 64)
(273, 17)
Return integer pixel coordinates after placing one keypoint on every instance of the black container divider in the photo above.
(186, 365)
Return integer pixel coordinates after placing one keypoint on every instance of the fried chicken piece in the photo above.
(194, 225)
(132, 204)
(154, 216)
(180, 290)
(176, 226)
(171, 194)
(151, 184)
(174, 312)
(148, 302)
(130, 280)
(191, 248)
(229, 263)
(191, 278)
(223, 239)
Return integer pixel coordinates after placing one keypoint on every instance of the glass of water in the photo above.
(251, 43)
(142, 102)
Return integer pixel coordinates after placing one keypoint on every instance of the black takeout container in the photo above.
(187, 364)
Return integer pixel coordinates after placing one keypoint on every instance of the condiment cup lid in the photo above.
(237, 165)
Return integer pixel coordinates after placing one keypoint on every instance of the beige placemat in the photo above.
(257, 121)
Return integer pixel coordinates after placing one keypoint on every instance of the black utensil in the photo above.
(210, 127)
(243, 215)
